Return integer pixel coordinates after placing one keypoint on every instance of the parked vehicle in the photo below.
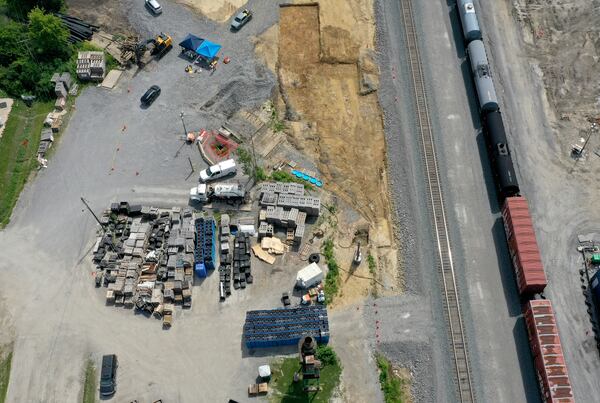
(500, 156)
(220, 170)
(522, 246)
(108, 375)
(470, 25)
(154, 6)
(241, 19)
(546, 348)
(150, 96)
(228, 192)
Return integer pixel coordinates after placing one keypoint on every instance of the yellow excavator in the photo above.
(153, 48)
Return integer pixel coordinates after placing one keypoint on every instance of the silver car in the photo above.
(241, 19)
(154, 6)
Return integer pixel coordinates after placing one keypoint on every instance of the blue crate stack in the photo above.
(285, 326)
(205, 246)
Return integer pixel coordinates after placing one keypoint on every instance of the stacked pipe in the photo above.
(79, 30)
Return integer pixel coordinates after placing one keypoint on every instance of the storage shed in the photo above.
(309, 276)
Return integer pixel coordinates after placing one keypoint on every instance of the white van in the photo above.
(222, 169)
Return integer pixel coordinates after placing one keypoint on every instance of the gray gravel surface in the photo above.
(560, 193)
(114, 150)
(427, 356)
(496, 336)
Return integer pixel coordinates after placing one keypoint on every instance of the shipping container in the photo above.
(548, 358)
(523, 247)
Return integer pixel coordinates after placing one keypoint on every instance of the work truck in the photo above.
(230, 193)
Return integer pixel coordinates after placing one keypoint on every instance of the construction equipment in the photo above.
(230, 193)
(143, 52)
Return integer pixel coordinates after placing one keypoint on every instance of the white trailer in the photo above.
(309, 276)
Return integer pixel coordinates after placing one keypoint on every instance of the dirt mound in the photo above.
(218, 10)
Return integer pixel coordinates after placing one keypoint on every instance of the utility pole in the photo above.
(184, 129)
(593, 129)
(90, 210)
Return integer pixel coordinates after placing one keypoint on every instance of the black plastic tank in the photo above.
(499, 152)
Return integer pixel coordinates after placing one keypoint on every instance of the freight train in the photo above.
(539, 316)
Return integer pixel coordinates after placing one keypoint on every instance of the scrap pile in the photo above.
(145, 258)
(286, 326)
(79, 30)
(286, 206)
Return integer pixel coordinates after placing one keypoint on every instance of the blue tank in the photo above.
(486, 93)
(468, 19)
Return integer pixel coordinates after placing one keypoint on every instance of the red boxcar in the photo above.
(547, 352)
(523, 247)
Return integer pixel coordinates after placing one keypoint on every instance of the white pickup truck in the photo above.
(229, 192)
(220, 170)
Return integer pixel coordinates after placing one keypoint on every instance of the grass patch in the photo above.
(276, 124)
(285, 390)
(395, 389)
(18, 152)
(89, 385)
(372, 264)
(5, 364)
(332, 280)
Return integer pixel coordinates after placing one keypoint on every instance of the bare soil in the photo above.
(108, 14)
(319, 81)
(564, 38)
(218, 10)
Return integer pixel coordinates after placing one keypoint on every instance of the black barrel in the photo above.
(502, 164)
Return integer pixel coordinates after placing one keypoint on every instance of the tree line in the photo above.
(33, 45)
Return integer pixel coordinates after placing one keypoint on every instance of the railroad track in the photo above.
(450, 298)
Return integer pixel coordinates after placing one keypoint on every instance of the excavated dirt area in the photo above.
(106, 13)
(320, 68)
(564, 37)
(218, 10)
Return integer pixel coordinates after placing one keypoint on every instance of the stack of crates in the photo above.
(282, 327)
(205, 246)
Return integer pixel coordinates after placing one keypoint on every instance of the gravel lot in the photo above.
(560, 193)
(114, 150)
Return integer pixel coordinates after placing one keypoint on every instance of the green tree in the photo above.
(19, 9)
(12, 38)
(48, 36)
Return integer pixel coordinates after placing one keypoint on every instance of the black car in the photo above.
(108, 375)
(150, 95)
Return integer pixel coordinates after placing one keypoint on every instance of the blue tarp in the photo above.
(202, 47)
(208, 49)
(191, 42)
